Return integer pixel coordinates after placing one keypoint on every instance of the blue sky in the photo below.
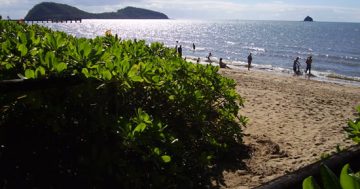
(320, 10)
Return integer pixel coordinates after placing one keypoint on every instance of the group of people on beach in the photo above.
(296, 65)
(178, 49)
(223, 65)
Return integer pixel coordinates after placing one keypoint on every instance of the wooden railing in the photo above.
(48, 20)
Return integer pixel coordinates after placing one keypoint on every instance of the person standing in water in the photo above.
(249, 61)
(176, 46)
(208, 57)
(308, 64)
(180, 51)
(194, 46)
(296, 66)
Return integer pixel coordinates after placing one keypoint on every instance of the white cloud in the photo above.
(8, 2)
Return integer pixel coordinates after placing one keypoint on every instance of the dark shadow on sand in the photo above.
(231, 162)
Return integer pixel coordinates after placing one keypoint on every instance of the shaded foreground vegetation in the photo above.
(119, 113)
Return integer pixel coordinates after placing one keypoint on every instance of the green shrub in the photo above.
(118, 113)
(353, 128)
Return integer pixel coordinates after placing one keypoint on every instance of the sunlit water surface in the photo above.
(335, 47)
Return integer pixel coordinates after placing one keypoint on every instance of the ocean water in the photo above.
(335, 47)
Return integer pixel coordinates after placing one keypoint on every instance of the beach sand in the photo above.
(293, 122)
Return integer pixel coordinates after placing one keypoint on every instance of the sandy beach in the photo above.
(293, 122)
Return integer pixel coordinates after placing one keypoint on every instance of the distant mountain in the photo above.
(56, 11)
(308, 19)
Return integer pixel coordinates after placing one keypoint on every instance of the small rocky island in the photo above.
(57, 11)
(308, 19)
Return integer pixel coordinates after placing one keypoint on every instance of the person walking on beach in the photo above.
(249, 61)
(308, 64)
(180, 51)
(194, 46)
(296, 66)
(208, 57)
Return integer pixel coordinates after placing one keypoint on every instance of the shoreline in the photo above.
(318, 76)
(328, 61)
(293, 123)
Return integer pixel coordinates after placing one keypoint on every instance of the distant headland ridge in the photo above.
(57, 11)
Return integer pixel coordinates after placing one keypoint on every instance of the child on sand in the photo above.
(222, 64)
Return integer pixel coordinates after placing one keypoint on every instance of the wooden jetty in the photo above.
(48, 21)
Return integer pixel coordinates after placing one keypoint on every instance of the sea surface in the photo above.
(335, 47)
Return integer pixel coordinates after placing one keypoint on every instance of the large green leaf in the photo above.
(347, 181)
(157, 151)
(34, 39)
(5, 46)
(139, 128)
(86, 73)
(310, 183)
(166, 158)
(144, 117)
(30, 74)
(329, 179)
(50, 41)
(134, 70)
(60, 67)
(124, 66)
(133, 74)
(50, 59)
(23, 49)
(60, 41)
(84, 49)
(107, 74)
(198, 95)
(40, 71)
(9, 66)
(23, 38)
